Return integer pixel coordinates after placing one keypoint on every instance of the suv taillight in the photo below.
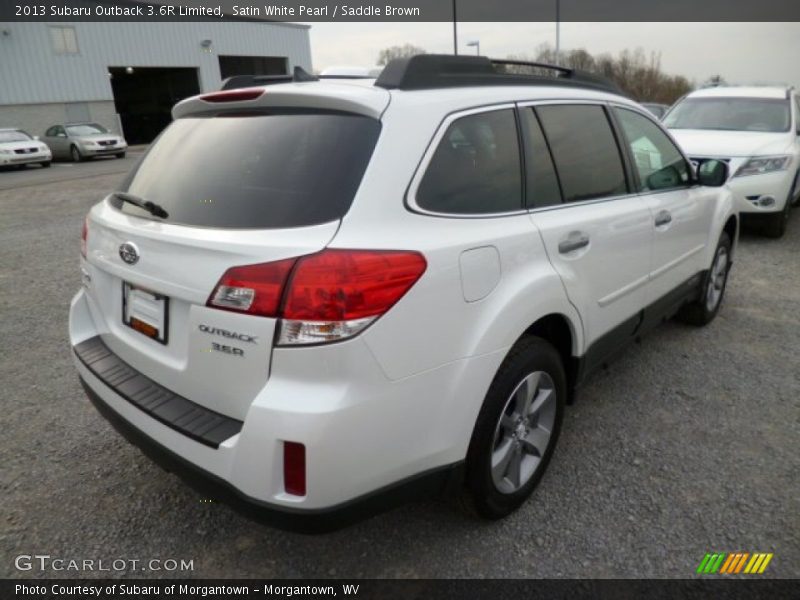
(324, 297)
(84, 236)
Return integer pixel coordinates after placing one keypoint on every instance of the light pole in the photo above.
(477, 45)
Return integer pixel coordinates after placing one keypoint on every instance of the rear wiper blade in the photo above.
(151, 207)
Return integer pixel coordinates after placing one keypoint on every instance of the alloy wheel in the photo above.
(716, 279)
(523, 432)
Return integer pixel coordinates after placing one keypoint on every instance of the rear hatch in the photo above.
(239, 188)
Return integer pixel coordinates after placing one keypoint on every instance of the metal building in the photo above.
(128, 75)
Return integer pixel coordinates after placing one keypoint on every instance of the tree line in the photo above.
(638, 74)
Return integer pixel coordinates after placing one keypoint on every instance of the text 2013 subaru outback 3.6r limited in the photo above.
(317, 299)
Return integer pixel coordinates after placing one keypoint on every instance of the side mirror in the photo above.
(712, 173)
(36, 137)
(61, 134)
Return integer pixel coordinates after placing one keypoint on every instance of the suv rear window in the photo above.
(255, 171)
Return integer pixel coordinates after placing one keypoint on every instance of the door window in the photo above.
(659, 164)
(541, 184)
(585, 151)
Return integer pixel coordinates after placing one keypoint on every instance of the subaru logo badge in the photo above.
(129, 253)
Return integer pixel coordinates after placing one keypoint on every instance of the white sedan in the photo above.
(17, 148)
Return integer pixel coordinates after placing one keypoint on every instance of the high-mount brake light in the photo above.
(232, 95)
(324, 297)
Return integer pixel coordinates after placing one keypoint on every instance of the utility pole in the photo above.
(558, 31)
(455, 32)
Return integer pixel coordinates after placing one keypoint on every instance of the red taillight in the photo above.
(253, 289)
(342, 285)
(294, 468)
(233, 95)
(84, 236)
(322, 297)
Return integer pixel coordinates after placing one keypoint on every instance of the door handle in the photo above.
(663, 218)
(575, 241)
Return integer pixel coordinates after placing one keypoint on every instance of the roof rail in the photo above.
(430, 71)
(244, 81)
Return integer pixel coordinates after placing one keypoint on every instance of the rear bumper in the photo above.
(371, 443)
(432, 483)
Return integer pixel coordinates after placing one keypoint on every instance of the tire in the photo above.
(76, 155)
(532, 369)
(775, 226)
(120, 155)
(703, 310)
(45, 164)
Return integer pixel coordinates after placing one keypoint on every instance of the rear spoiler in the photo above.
(244, 81)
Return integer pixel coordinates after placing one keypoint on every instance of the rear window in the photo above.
(260, 171)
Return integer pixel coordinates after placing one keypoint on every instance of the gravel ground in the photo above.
(686, 445)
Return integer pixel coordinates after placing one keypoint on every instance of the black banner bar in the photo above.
(459, 589)
(402, 10)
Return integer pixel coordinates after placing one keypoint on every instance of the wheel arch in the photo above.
(560, 331)
(731, 227)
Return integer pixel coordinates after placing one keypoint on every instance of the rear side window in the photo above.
(658, 162)
(476, 167)
(541, 187)
(257, 171)
(584, 150)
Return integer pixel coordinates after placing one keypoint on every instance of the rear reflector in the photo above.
(324, 297)
(233, 95)
(294, 468)
(84, 236)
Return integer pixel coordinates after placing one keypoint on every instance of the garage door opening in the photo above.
(252, 65)
(144, 97)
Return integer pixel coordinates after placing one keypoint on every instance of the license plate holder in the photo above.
(146, 312)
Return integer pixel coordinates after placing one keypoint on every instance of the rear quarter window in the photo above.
(475, 168)
(255, 171)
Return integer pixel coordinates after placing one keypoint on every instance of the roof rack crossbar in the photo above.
(244, 81)
(431, 71)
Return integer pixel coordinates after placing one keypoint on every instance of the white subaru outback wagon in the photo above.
(318, 299)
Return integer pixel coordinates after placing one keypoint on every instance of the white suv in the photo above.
(756, 130)
(318, 299)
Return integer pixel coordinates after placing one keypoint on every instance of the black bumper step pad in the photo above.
(187, 417)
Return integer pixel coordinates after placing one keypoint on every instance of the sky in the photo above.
(740, 52)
